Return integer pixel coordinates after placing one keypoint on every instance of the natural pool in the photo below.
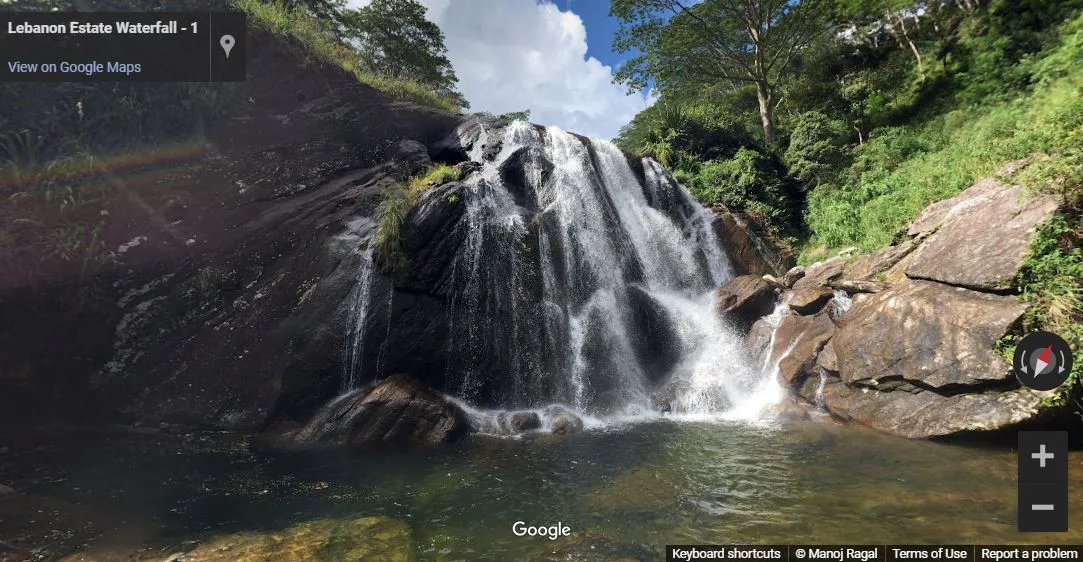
(624, 491)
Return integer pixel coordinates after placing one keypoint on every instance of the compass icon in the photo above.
(1042, 361)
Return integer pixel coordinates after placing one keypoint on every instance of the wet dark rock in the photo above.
(517, 169)
(657, 344)
(750, 251)
(518, 422)
(809, 300)
(563, 421)
(827, 359)
(744, 300)
(789, 410)
(410, 155)
(398, 409)
(759, 337)
(5, 490)
(982, 237)
(468, 167)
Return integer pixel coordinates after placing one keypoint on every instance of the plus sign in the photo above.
(1042, 456)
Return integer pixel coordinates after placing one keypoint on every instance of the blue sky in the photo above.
(600, 28)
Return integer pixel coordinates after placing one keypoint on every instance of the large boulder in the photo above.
(982, 235)
(798, 342)
(398, 409)
(929, 334)
(820, 273)
(744, 300)
(916, 413)
(874, 265)
(809, 300)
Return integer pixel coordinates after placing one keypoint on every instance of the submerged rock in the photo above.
(367, 539)
(518, 422)
(744, 300)
(563, 421)
(398, 409)
(642, 489)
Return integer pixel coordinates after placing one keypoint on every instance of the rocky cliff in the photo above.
(904, 339)
(216, 296)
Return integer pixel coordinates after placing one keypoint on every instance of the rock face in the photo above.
(744, 299)
(398, 409)
(798, 342)
(912, 353)
(926, 334)
(411, 155)
(749, 249)
(928, 414)
(220, 301)
(982, 237)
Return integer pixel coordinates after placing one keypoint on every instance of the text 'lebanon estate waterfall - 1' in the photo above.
(578, 276)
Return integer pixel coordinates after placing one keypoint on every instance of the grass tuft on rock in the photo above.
(396, 204)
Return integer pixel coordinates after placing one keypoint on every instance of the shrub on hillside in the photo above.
(818, 148)
(750, 181)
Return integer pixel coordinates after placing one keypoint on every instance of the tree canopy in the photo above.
(394, 38)
(679, 44)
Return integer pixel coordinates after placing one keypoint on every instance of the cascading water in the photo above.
(584, 281)
(359, 232)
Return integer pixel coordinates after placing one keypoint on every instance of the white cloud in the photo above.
(512, 55)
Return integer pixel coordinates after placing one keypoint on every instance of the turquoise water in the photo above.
(625, 491)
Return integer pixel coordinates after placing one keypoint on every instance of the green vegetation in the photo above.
(1051, 281)
(889, 109)
(879, 112)
(396, 204)
(388, 45)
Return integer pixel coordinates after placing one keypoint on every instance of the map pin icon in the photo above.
(227, 42)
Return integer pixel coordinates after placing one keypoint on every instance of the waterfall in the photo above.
(584, 277)
(358, 232)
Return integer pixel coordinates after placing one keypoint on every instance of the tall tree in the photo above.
(681, 43)
(395, 39)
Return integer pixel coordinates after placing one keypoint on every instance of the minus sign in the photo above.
(1041, 507)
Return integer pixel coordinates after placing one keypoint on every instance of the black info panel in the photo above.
(122, 46)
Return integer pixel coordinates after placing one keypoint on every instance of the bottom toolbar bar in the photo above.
(874, 553)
